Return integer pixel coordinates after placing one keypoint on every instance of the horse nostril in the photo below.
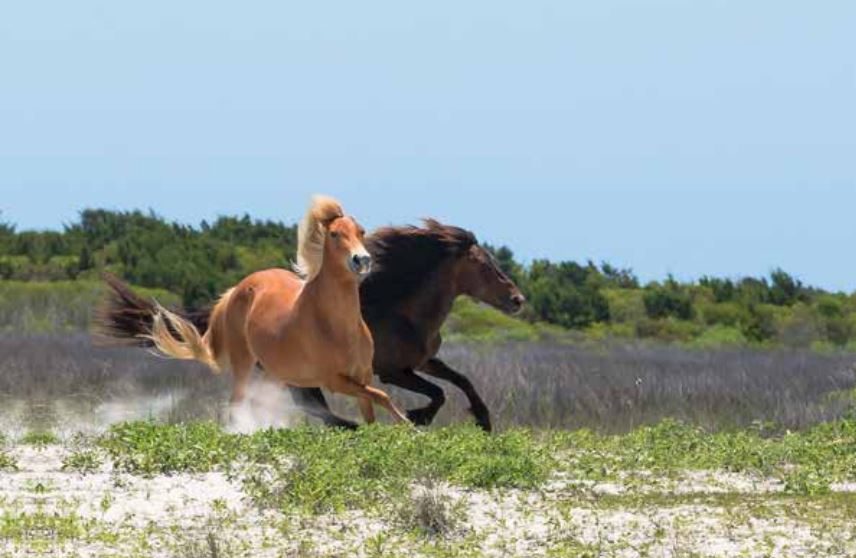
(518, 299)
(361, 263)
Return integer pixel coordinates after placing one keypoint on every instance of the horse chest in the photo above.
(350, 353)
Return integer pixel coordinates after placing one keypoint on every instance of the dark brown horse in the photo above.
(418, 273)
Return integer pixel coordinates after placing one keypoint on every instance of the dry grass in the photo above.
(44, 380)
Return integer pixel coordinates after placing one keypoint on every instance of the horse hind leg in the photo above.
(349, 386)
(367, 410)
(241, 417)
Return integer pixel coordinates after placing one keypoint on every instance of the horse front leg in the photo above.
(437, 368)
(409, 380)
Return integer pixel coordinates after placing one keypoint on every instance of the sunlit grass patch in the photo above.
(7, 462)
(807, 462)
(42, 532)
(319, 468)
(83, 461)
(39, 438)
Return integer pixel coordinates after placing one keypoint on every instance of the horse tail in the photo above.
(126, 318)
(177, 337)
(311, 235)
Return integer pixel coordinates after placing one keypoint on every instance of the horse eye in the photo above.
(334, 234)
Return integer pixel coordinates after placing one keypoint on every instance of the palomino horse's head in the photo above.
(345, 240)
(480, 277)
(327, 234)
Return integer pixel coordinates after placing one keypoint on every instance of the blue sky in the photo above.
(686, 137)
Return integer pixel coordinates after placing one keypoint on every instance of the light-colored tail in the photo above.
(189, 345)
(311, 235)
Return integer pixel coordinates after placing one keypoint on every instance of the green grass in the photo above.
(39, 438)
(807, 462)
(7, 462)
(82, 461)
(471, 321)
(321, 469)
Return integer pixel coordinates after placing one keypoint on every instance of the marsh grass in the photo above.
(56, 306)
(617, 387)
(58, 382)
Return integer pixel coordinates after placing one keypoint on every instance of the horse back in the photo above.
(267, 298)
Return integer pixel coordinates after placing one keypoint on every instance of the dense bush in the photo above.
(663, 301)
(197, 263)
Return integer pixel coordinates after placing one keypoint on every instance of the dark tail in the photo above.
(126, 318)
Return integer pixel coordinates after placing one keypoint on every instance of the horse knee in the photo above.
(437, 396)
(382, 398)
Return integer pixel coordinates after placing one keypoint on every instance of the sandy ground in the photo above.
(51, 512)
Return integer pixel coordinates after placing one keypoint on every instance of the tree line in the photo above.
(197, 263)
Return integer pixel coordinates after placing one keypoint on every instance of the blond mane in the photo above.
(311, 234)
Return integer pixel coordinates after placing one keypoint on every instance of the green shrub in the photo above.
(722, 313)
(471, 321)
(667, 301)
(625, 305)
(669, 329)
(800, 327)
(720, 336)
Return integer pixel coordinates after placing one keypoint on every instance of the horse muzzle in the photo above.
(515, 303)
(360, 264)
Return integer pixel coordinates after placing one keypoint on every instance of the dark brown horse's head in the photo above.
(409, 259)
(480, 277)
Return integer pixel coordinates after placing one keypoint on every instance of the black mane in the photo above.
(405, 257)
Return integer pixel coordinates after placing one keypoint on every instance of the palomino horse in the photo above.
(417, 274)
(305, 331)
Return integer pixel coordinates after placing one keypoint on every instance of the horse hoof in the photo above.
(418, 417)
(482, 419)
(344, 425)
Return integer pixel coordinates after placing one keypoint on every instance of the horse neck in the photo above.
(335, 296)
(433, 302)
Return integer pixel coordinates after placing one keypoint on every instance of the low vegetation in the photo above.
(195, 490)
(321, 469)
(67, 384)
(805, 462)
(602, 449)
